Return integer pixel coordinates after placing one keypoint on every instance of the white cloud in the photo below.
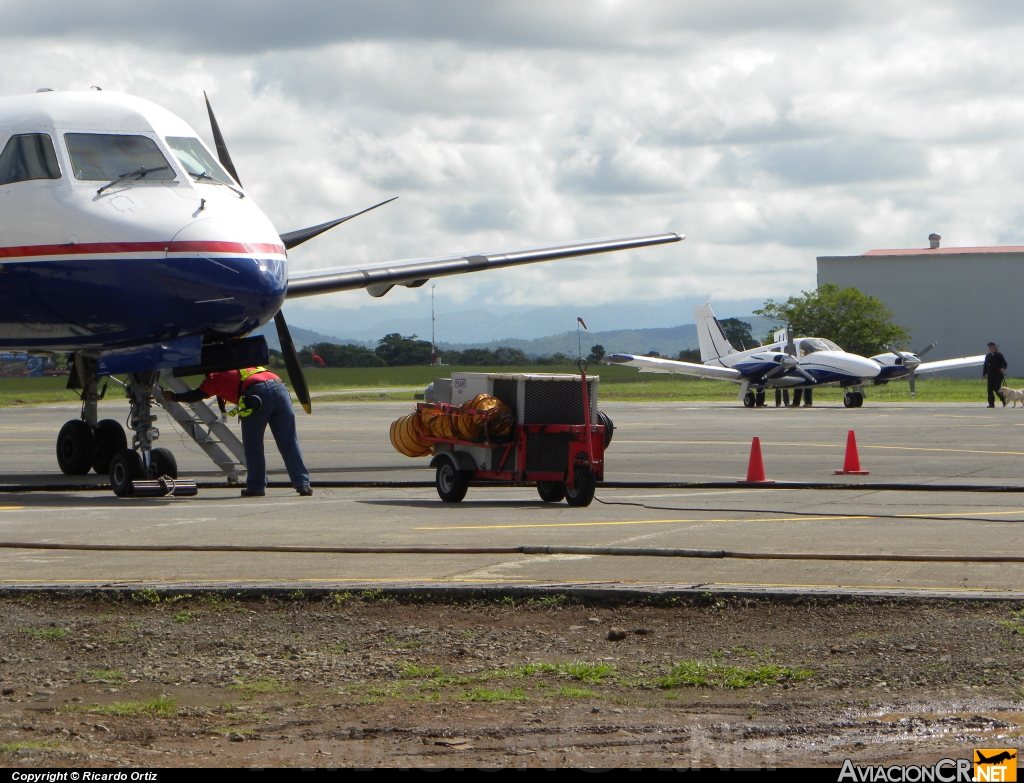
(769, 133)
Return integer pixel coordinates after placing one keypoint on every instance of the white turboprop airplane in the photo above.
(125, 242)
(787, 363)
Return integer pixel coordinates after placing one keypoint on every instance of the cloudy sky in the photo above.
(768, 133)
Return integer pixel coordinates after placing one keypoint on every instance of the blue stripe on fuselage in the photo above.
(110, 303)
(891, 372)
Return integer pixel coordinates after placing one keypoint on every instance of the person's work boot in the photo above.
(304, 491)
(991, 405)
(249, 493)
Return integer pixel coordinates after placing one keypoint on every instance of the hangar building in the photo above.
(961, 297)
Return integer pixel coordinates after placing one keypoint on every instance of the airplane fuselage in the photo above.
(824, 361)
(163, 255)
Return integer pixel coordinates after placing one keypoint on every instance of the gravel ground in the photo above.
(368, 680)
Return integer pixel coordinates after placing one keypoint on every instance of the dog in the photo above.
(1007, 394)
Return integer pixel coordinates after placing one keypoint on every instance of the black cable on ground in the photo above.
(514, 550)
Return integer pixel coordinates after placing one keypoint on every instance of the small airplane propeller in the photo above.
(911, 362)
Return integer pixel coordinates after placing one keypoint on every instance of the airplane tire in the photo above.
(551, 491)
(749, 400)
(581, 495)
(859, 401)
(125, 467)
(110, 439)
(164, 463)
(76, 448)
(849, 400)
(451, 484)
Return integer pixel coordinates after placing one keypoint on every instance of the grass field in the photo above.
(617, 384)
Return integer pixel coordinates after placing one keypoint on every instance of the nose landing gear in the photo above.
(853, 398)
(86, 444)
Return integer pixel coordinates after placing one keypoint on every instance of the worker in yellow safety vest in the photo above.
(260, 398)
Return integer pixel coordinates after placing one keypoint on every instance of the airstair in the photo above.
(203, 424)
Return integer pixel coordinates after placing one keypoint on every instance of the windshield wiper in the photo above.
(137, 174)
(215, 181)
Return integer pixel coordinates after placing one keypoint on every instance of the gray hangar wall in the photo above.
(960, 297)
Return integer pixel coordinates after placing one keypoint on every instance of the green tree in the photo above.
(398, 351)
(596, 354)
(857, 322)
(738, 334)
(334, 355)
(691, 355)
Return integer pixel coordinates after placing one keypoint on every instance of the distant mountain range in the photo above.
(666, 341)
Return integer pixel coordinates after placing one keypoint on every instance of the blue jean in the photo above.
(277, 412)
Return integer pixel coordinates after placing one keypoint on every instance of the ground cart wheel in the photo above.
(551, 491)
(749, 400)
(125, 467)
(451, 483)
(76, 448)
(582, 493)
(110, 439)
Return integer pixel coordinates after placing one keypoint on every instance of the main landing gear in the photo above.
(754, 399)
(853, 398)
(86, 444)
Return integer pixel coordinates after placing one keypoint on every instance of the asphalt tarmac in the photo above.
(966, 444)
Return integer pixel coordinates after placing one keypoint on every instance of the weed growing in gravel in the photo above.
(45, 633)
(570, 692)
(697, 674)
(376, 597)
(340, 598)
(10, 748)
(410, 645)
(548, 601)
(338, 648)
(494, 694)
(102, 674)
(147, 595)
(184, 617)
(157, 707)
(298, 595)
(262, 685)
(413, 672)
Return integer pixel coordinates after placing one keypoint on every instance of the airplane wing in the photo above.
(381, 278)
(654, 364)
(951, 364)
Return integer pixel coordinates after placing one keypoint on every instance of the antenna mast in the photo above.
(433, 349)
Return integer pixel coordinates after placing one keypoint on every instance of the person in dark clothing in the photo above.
(995, 364)
(274, 407)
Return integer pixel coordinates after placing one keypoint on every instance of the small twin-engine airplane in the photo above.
(788, 363)
(124, 241)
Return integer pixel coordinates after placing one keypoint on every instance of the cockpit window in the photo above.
(196, 159)
(28, 156)
(104, 157)
(812, 344)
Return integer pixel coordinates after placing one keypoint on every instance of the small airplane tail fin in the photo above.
(713, 342)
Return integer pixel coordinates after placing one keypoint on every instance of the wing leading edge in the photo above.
(654, 364)
(950, 364)
(380, 279)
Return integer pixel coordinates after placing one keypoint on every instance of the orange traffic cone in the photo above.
(755, 469)
(851, 465)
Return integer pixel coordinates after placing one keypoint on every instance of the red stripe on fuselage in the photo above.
(97, 248)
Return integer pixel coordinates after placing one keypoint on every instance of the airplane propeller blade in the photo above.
(927, 348)
(291, 361)
(911, 363)
(801, 371)
(218, 140)
(294, 238)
